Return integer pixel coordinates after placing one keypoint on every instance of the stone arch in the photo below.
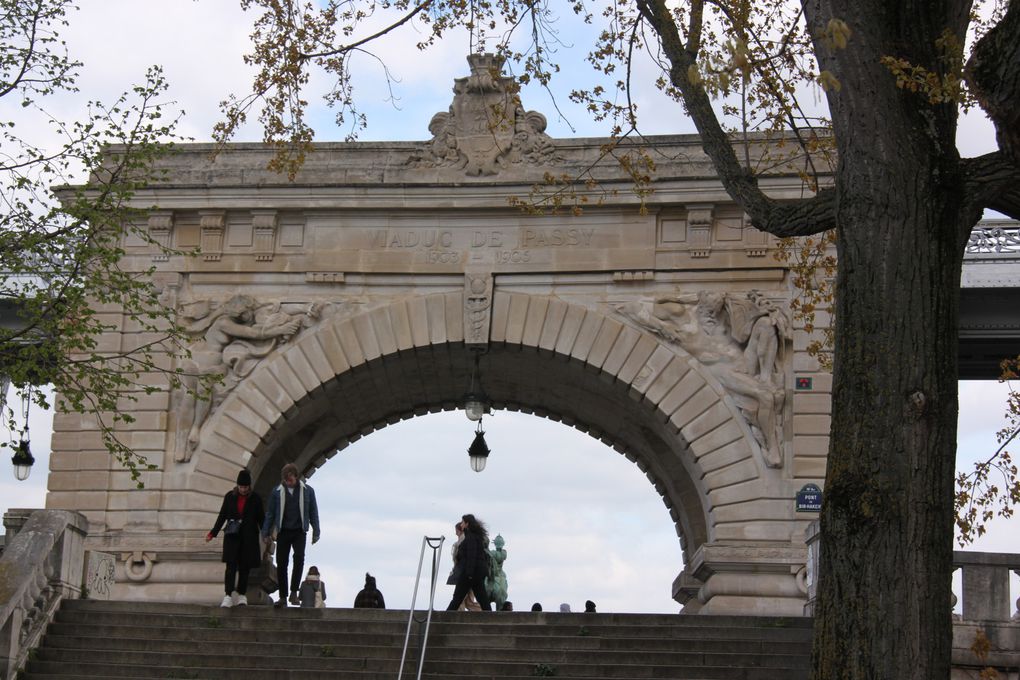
(668, 415)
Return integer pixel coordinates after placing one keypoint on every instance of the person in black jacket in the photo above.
(369, 597)
(242, 512)
(472, 564)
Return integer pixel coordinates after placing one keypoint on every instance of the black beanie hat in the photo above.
(244, 478)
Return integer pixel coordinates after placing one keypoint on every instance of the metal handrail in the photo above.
(436, 544)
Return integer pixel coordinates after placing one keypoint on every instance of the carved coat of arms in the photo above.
(486, 128)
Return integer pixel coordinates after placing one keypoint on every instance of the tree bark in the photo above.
(883, 608)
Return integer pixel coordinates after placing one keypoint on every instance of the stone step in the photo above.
(215, 618)
(209, 669)
(181, 639)
(53, 671)
(214, 658)
(126, 641)
(409, 674)
(97, 671)
(544, 618)
(271, 655)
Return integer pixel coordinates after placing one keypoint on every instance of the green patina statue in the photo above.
(495, 583)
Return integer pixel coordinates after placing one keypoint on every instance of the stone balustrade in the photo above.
(985, 594)
(41, 565)
(988, 612)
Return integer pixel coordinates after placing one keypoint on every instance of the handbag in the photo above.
(232, 527)
(455, 574)
(269, 584)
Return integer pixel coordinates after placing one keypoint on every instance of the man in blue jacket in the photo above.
(291, 510)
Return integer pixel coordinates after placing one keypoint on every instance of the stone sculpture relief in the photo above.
(229, 342)
(738, 338)
(486, 129)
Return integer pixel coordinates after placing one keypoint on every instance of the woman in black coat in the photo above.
(472, 564)
(242, 512)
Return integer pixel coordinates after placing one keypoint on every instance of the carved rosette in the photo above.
(486, 129)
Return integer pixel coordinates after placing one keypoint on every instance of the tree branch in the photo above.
(993, 73)
(993, 181)
(26, 61)
(354, 45)
(740, 182)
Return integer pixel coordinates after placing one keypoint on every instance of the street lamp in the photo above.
(476, 404)
(23, 461)
(479, 450)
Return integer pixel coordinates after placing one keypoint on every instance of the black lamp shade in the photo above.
(479, 451)
(22, 461)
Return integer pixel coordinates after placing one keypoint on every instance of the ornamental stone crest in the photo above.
(486, 129)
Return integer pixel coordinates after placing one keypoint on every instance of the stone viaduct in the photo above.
(654, 318)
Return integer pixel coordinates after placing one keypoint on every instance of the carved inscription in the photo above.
(553, 238)
(495, 246)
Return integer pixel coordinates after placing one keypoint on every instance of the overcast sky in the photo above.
(580, 521)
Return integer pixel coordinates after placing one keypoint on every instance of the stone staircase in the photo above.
(123, 640)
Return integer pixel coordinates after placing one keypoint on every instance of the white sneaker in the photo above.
(227, 601)
(240, 600)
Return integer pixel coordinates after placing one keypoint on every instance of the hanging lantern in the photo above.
(479, 450)
(22, 461)
(474, 407)
(476, 404)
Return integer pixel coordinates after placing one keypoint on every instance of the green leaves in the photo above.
(61, 243)
(992, 487)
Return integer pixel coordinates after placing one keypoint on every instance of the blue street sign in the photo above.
(809, 498)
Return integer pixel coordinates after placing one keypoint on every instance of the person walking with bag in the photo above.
(469, 603)
(472, 565)
(292, 509)
(241, 516)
